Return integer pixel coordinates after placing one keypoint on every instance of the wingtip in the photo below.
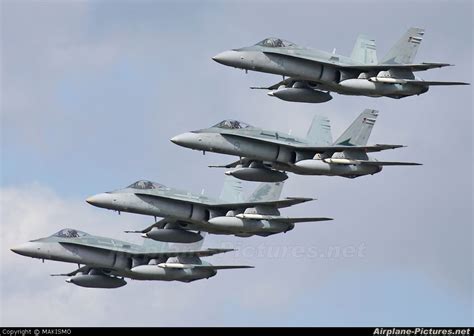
(390, 146)
(306, 199)
(224, 250)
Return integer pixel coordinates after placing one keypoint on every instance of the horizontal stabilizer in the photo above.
(389, 163)
(260, 87)
(431, 83)
(230, 165)
(282, 219)
(307, 219)
(368, 162)
(222, 267)
(193, 266)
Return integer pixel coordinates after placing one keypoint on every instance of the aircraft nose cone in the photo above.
(229, 57)
(99, 200)
(15, 249)
(186, 139)
(25, 249)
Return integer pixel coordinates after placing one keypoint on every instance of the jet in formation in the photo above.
(313, 74)
(185, 215)
(108, 261)
(267, 155)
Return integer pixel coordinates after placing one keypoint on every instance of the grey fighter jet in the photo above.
(266, 155)
(108, 261)
(185, 215)
(312, 74)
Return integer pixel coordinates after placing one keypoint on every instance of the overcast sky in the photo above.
(93, 91)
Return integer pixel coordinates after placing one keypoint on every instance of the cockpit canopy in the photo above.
(144, 184)
(69, 233)
(232, 124)
(273, 42)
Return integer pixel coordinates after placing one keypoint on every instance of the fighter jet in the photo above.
(314, 73)
(185, 215)
(108, 261)
(265, 155)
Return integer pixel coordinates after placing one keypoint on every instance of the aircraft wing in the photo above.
(153, 254)
(305, 57)
(312, 148)
(176, 253)
(200, 253)
(289, 82)
(289, 201)
(339, 148)
(365, 67)
(388, 66)
(185, 198)
(388, 163)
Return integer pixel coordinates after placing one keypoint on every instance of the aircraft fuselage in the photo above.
(193, 216)
(119, 264)
(329, 77)
(282, 157)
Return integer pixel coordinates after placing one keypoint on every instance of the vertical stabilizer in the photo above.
(266, 192)
(319, 133)
(231, 190)
(404, 51)
(358, 133)
(365, 50)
